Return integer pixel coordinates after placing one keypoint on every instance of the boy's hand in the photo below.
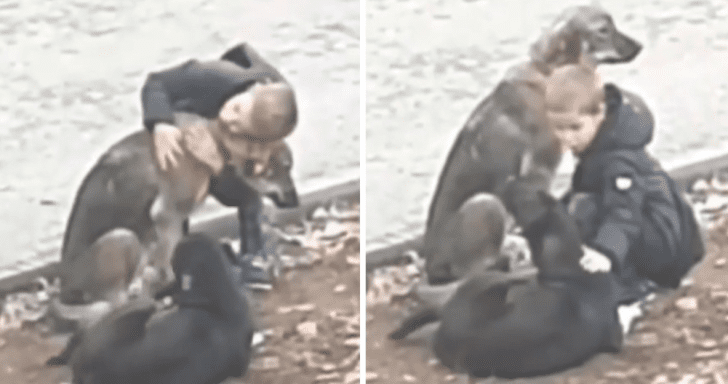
(167, 144)
(594, 261)
(203, 147)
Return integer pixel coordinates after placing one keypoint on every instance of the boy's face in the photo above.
(236, 111)
(575, 122)
(242, 132)
(263, 111)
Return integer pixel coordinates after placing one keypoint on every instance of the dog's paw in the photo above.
(595, 262)
(628, 314)
(137, 287)
(413, 257)
(516, 248)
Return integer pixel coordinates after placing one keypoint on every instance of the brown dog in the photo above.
(505, 148)
(128, 215)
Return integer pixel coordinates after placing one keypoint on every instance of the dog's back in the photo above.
(489, 152)
(115, 195)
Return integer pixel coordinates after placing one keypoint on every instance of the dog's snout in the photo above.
(625, 49)
(629, 47)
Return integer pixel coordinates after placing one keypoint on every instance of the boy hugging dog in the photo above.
(214, 127)
(246, 108)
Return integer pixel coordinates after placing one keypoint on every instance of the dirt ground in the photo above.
(310, 318)
(683, 338)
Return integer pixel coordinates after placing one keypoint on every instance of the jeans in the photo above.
(232, 191)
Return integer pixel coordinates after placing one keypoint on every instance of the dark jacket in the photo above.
(202, 87)
(642, 221)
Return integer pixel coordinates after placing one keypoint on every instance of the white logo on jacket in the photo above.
(623, 183)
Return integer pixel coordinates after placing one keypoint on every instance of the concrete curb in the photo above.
(216, 220)
(685, 173)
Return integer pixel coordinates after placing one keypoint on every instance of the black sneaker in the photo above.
(636, 289)
(254, 276)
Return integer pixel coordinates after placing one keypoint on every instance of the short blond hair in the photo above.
(573, 84)
(274, 112)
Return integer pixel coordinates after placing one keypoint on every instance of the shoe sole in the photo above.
(260, 286)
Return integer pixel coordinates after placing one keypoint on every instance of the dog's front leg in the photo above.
(169, 226)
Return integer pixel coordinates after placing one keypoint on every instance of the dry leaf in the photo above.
(688, 303)
(307, 329)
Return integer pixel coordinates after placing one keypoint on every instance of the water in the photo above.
(72, 70)
(430, 62)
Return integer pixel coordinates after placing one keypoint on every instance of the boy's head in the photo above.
(255, 121)
(263, 112)
(575, 105)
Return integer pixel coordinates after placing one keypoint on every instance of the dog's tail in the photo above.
(81, 317)
(414, 322)
(85, 315)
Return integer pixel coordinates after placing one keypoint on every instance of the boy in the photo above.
(626, 206)
(247, 98)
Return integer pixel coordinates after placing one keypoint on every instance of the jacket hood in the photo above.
(627, 125)
(237, 55)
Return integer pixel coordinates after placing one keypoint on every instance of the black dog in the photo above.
(204, 341)
(506, 138)
(530, 326)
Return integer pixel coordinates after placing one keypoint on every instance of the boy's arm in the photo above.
(156, 102)
(621, 222)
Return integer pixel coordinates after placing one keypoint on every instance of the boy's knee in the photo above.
(582, 203)
(659, 262)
